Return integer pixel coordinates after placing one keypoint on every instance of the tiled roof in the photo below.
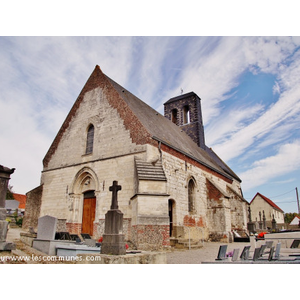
(153, 124)
(21, 199)
(270, 202)
(165, 131)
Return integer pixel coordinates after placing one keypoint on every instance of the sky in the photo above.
(248, 82)
(249, 89)
(247, 79)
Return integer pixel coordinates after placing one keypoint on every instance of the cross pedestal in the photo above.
(113, 237)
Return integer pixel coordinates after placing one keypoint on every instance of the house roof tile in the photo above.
(270, 202)
(21, 198)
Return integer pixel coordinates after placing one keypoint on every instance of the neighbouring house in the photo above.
(173, 185)
(295, 221)
(261, 205)
(16, 205)
(22, 202)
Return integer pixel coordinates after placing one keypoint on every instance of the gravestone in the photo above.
(277, 251)
(271, 253)
(274, 227)
(4, 179)
(222, 252)
(46, 228)
(113, 237)
(250, 224)
(235, 254)
(245, 253)
(260, 221)
(256, 254)
(264, 220)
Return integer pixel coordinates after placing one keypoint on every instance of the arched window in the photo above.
(90, 140)
(191, 196)
(186, 114)
(174, 116)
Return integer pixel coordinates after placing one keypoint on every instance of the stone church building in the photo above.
(173, 185)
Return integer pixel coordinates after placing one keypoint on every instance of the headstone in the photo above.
(260, 221)
(113, 237)
(273, 223)
(256, 254)
(222, 252)
(264, 220)
(235, 254)
(245, 253)
(46, 228)
(4, 179)
(250, 224)
(295, 244)
(277, 251)
(269, 244)
(262, 250)
(271, 253)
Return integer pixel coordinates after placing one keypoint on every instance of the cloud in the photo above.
(225, 126)
(42, 76)
(285, 161)
(275, 119)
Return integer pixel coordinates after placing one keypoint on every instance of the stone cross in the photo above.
(114, 189)
(249, 209)
(264, 220)
(260, 216)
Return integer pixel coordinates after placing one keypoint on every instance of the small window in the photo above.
(90, 140)
(174, 116)
(191, 196)
(186, 115)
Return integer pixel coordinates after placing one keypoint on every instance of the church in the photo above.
(173, 186)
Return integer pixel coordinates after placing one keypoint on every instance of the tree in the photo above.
(288, 217)
(9, 193)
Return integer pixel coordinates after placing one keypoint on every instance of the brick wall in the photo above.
(151, 237)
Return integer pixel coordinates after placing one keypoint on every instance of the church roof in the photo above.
(145, 124)
(270, 202)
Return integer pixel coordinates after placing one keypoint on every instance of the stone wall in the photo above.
(194, 128)
(69, 172)
(32, 208)
(212, 212)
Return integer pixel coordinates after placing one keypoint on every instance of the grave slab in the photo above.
(46, 228)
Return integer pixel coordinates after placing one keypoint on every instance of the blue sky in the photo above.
(249, 88)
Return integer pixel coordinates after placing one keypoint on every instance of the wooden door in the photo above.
(88, 215)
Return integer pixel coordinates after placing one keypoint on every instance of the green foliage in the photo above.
(18, 220)
(9, 193)
(288, 217)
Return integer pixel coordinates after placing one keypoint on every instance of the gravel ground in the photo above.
(208, 253)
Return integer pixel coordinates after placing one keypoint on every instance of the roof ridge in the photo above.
(91, 83)
(268, 201)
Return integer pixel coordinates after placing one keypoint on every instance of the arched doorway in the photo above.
(83, 203)
(171, 204)
(89, 212)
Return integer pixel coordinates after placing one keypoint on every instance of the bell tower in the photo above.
(185, 111)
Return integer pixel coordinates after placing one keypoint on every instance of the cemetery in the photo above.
(51, 242)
